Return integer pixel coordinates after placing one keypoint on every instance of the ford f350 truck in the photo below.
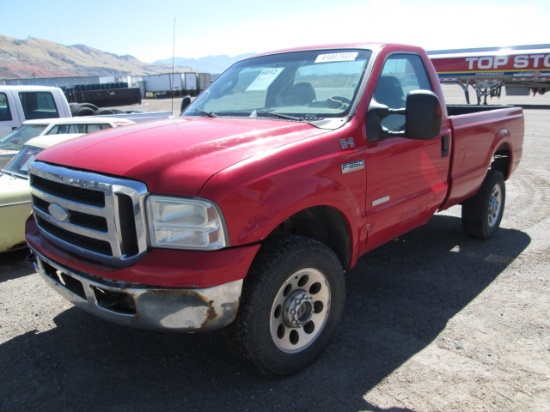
(247, 211)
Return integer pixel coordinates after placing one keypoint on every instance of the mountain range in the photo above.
(209, 64)
(33, 57)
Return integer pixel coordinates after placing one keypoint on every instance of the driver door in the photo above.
(406, 179)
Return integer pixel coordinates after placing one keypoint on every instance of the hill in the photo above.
(209, 64)
(32, 57)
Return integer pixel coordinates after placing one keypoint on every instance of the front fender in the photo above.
(255, 201)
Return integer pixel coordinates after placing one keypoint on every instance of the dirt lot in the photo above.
(435, 321)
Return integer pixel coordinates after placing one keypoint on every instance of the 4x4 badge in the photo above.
(347, 143)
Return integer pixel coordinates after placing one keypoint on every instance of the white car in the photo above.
(14, 141)
(15, 192)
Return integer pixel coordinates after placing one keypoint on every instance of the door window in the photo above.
(5, 114)
(401, 74)
(38, 105)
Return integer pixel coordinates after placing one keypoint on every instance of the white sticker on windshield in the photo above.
(336, 57)
(264, 79)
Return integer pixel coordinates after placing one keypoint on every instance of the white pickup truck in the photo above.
(20, 103)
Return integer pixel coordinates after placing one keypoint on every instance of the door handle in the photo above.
(444, 146)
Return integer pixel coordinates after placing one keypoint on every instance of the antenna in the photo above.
(173, 62)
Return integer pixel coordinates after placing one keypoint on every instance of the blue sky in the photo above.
(146, 29)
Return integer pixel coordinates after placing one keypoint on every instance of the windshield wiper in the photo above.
(306, 118)
(205, 113)
(279, 115)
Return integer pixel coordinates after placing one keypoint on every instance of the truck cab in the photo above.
(20, 103)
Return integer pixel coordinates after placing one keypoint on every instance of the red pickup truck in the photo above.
(247, 211)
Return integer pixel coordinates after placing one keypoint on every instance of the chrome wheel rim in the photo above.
(495, 206)
(300, 310)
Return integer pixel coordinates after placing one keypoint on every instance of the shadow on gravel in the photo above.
(14, 265)
(400, 298)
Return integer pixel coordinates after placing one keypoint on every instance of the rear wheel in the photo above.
(292, 301)
(482, 214)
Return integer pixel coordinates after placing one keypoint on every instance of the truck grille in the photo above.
(92, 215)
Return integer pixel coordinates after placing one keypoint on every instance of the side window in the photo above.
(401, 74)
(5, 114)
(93, 128)
(38, 105)
(60, 129)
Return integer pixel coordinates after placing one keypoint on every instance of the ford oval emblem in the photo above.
(59, 213)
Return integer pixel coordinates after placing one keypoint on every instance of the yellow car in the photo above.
(15, 194)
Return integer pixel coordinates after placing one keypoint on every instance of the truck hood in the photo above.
(176, 156)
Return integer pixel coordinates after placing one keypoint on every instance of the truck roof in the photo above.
(28, 88)
(359, 45)
(50, 140)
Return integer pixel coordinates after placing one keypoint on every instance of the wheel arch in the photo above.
(324, 224)
(502, 160)
(505, 155)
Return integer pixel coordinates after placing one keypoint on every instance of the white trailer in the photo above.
(163, 83)
(190, 81)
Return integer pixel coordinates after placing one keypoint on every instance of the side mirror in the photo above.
(184, 103)
(423, 115)
(376, 113)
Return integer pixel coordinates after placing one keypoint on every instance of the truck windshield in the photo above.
(306, 85)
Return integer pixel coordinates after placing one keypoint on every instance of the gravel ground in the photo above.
(435, 321)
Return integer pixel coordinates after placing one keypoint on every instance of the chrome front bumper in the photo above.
(184, 310)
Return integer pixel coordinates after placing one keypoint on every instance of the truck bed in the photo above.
(459, 109)
(479, 131)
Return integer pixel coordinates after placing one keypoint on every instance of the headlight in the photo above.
(184, 223)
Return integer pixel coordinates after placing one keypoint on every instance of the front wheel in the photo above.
(481, 214)
(292, 301)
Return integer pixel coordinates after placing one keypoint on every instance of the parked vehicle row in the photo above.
(13, 142)
(21, 103)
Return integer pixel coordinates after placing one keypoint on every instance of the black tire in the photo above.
(482, 214)
(74, 108)
(100, 112)
(89, 105)
(82, 110)
(293, 299)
